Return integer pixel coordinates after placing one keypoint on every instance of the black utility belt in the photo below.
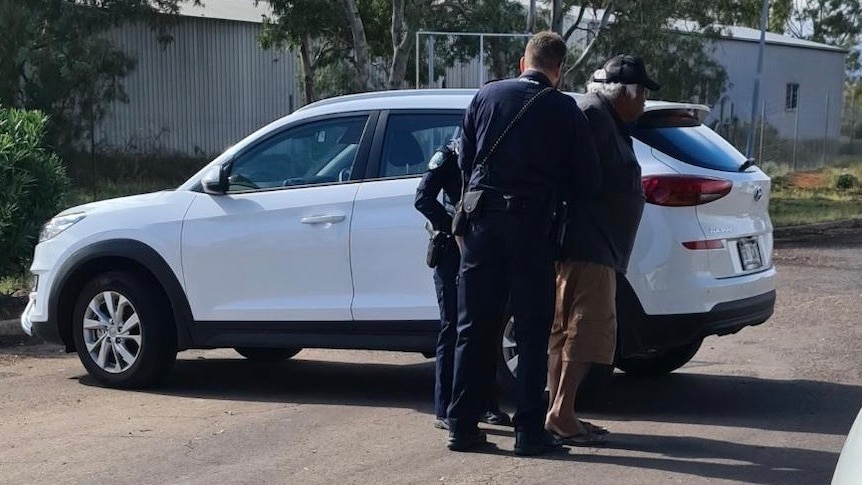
(496, 202)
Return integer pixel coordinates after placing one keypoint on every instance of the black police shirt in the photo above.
(548, 153)
(443, 174)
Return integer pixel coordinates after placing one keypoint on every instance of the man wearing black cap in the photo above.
(602, 230)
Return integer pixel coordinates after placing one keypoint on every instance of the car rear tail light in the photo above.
(684, 190)
(708, 244)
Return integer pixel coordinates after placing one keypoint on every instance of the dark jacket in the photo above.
(443, 174)
(550, 144)
(603, 227)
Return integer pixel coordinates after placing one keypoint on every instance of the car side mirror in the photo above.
(214, 180)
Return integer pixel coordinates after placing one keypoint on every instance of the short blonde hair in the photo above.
(546, 50)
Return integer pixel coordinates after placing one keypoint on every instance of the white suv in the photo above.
(304, 235)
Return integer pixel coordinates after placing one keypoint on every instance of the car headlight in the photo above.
(59, 224)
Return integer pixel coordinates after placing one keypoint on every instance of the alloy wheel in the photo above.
(112, 332)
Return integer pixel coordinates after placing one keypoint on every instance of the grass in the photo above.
(813, 196)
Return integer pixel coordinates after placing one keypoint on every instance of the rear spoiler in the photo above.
(697, 111)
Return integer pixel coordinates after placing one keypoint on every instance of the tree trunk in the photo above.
(500, 68)
(402, 40)
(531, 17)
(360, 44)
(604, 22)
(307, 70)
(557, 16)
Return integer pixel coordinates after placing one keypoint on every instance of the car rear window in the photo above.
(679, 134)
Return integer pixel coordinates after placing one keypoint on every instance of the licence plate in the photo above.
(749, 254)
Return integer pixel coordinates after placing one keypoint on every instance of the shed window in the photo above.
(791, 99)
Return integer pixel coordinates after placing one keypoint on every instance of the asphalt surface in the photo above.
(770, 405)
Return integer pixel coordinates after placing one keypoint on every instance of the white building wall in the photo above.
(819, 73)
(206, 90)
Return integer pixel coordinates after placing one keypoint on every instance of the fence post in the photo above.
(430, 59)
(481, 60)
(417, 60)
(762, 128)
(825, 133)
(795, 130)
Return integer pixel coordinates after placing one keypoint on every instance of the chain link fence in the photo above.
(796, 136)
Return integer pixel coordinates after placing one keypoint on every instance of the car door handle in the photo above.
(325, 219)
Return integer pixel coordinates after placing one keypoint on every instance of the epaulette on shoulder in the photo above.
(436, 160)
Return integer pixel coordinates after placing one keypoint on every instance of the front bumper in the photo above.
(647, 335)
(47, 330)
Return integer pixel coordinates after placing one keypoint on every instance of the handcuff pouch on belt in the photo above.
(470, 204)
(439, 243)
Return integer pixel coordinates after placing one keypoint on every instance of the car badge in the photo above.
(758, 194)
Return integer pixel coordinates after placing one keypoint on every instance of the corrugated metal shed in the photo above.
(207, 89)
(215, 84)
(818, 74)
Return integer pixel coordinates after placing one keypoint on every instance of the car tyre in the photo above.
(661, 364)
(124, 331)
(262, 354)
(507, 363)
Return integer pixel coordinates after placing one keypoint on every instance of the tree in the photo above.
(834, 22)
(360, 44)
(54, 57)
(316, 29)
(493, 16)
(672, 36)
(746, 13)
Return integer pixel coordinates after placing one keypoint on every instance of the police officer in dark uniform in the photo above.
(443, 174)
(508, 250)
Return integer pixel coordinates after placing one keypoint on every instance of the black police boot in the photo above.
(466, 441)
(532, 443)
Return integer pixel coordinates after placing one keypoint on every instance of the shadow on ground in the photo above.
(753, 403)
(779, 405)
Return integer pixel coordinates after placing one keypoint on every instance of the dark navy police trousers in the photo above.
(507, 256)
(446, 284)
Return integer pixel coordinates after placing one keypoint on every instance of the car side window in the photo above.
(411, 139)
(319, 152)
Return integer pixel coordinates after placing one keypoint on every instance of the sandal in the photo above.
(584, 439)
(594, 429)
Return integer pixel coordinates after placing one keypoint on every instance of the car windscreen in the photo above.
(680, 134)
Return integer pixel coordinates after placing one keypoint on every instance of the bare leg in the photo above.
(561, 417)
(555, 369)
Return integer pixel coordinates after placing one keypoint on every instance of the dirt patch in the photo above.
(807, 180)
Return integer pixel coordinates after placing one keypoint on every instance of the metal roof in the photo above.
(236, 10)
(747, 34)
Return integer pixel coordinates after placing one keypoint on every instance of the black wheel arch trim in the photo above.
(86, 262)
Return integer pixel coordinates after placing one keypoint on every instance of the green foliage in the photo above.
(54, 57)
(747, 13)
(33, 181)
(679, 54)
(846, 181)
(501, 16)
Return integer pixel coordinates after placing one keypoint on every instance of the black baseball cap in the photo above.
(625, 69)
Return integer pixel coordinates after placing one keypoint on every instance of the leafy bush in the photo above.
(33, 183)
(846, 181)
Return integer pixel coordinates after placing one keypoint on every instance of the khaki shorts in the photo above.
(585, 320)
